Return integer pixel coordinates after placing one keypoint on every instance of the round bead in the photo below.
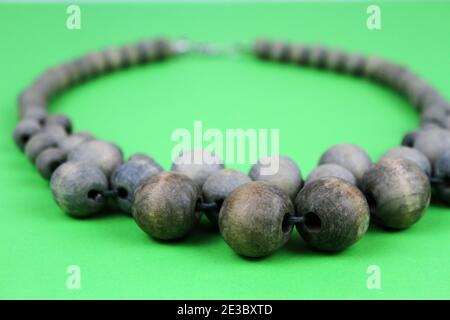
(71, 142)
(299, 54)
(334, 60)
(349, 156)
(354, 64)
(331, 170)
(77, 188)
(398, 192)
(252, 219)
(38, 143)
(262, 48)
(432, 143)
(56, 131)
(410, 154)
(442, 171)
(280, 171)
(59, 120)
(218, 186)
(164, 205)
(140, 157)
(126, 178)
(24, 131)
(49, 160)
(101, 154)
(35, 113)
(197, 165)
(335, 212)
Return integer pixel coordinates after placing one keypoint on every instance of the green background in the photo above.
(139, 108)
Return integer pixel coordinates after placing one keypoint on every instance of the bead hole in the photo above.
(54, 165)
(25, 138)
(371, 202)
(94, 195)
(312, 222)
(122, 193)
(286, 226)
(219, 204)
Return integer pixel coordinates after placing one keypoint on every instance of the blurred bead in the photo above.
(164, 48)
(127, 177)
(72, 141)
(373, 67)
(316, 57)
(56, 131)
(398, 192)
(49, 160)
(130, 55)
(299, 54)
(334, 60)
(442, 172)
(102, 154)
(147, 50)
(164, 205)
(432, 143)
(218, 186)
(335, 211)
(280, 171)
(197, 165)
(349, 156)
(78, 187)
(252, 219)
(262, 48)
(279, 51)
(60, 120)
(140, 157)
(24, 131)
(38, 114)
(410, 154)
(31, 97)
(97, 61)
(354, 64)
(113, 58)
(331, 170)
(38, 143)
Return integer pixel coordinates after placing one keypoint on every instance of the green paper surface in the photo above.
(139, 109)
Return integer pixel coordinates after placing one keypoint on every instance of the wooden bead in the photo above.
(49, 160)
(77, 188)
(127, 177)
(164, 205)
(331, 170)
(218, 186)
(197, 165)
(102, 154)
(280, 171)
(26, 129)
(336, 214)
(398, 192)
(410, 154)
(252, 219)
(349, 156)
(432, 143)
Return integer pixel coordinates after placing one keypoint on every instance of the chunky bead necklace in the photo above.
(255, 213)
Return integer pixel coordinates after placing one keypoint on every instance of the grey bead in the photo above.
(432, 143)
(252, 220)
(130, 54)
(398, 192)
(299, 54)
(59, 120)
(316, 56)
(373, 68)
(279, 51)
(38, 143)
(197, 165)
(32, 97)
(218, 186)
(72, 141)
(39, 114)
(127, 177)
(97, 61)
(262, 48)
(49, 160)
(164, 205)
(334, 60)
(78, 188)
(354, 64)
(113, 58)
(24, 130)
(442, 172)
(147, 50)
(140, 157)
(349, 156)
(280, 171)
(331, 170)
(56, 131)
(410, 154)
(102, 154)
(335, 212)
